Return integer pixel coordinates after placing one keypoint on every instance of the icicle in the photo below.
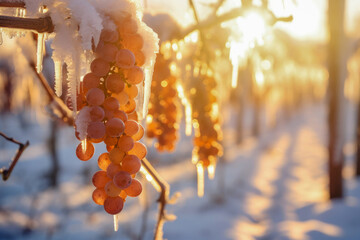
(116, 225)
(200, 179)
(211, 171)
(188, 110)
(235, 73)
(83, 145)
(39, 52)
(58, 77)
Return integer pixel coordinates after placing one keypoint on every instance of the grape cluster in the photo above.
(162, 119)
(107, 108)
(206, 122)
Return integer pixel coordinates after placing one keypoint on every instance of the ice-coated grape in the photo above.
(129, 107)
(111, 141)
(125, 58)
(134, 189)
(125, 143)
(99, 67)
(90, 81)
(104, 161)
(113, 205)
(131, 90)
(111, 104)
(112, 170)
(114, 127)
(99, 195)
(95, 97)
(139, 134)
(96, 130)
(140, 58)
(134, 75)
(131, 127)
(122, 180)
(120, 114)
(116, 155)
(133, 41)
(100, 179)
(122, 97)
(89, 152)
(109, 36)
(107, 52)
(111, 189)
(97, 113)
(131, 164)
(114, 83)
(139, 150)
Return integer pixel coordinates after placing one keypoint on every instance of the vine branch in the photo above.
(40, 25)
(163, 198)
(6, 172)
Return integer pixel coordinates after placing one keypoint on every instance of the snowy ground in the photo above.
(274, 187)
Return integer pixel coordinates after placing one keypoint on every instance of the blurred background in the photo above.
(274, 83)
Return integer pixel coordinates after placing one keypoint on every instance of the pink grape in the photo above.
(114, 83)
(111, 104)
(95, 97)
(114, 127)
(107, 52)
(139, 150)
(104, 161)
(99, 67)
(97, 113)
(96, 130)
(112, 170)
(120, 114)
(99, 195)
(109, 36)
(111, 189)
(134, 75)
(113, 205)
(100, 179)
(131, 127)
(125, 58)
(89, 152)
(90, 80)
(125, 143)
(122, 179)
(139, 134)
(131, 164)
(122, 97)
(134, 189)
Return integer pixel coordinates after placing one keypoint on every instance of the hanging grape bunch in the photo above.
(107, 114)
(162, 119)
(206, 125)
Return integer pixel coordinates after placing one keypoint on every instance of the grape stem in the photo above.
(163, 198)
(6, 172)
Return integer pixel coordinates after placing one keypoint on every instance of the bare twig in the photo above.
(40, 25)
(19, 4)
(7, 171)
(163, 198)
(65, 113)
(234, 13)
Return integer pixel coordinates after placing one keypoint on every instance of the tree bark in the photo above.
(336, 65)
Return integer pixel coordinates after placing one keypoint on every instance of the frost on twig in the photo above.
(22, 146)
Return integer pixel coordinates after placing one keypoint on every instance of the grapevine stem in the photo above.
(163, 198)
(7, 171)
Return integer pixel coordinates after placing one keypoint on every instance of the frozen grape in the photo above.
(111, 104)
(140, 58)
(96, 130)
(139, 134)
(114, 127)
(122, 180)
(134, 75)
(131, 164)
(99, 195)
(95, 97)
(134, 189)
(90, 81)
(112, 170)
(89, 152)
(131, 127)
(139, 150)
(129, 107)
(100, 179)
(107, 52)
(122, 97)
(125, 58)
(113, 205)
(104, 161)
(125, 143)
(112, 141)
(97, 113)
(111, 189)
(131, 90)
(109, 36)
(99, 67)
(114, 83)
(121, 114)
(116, 155)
